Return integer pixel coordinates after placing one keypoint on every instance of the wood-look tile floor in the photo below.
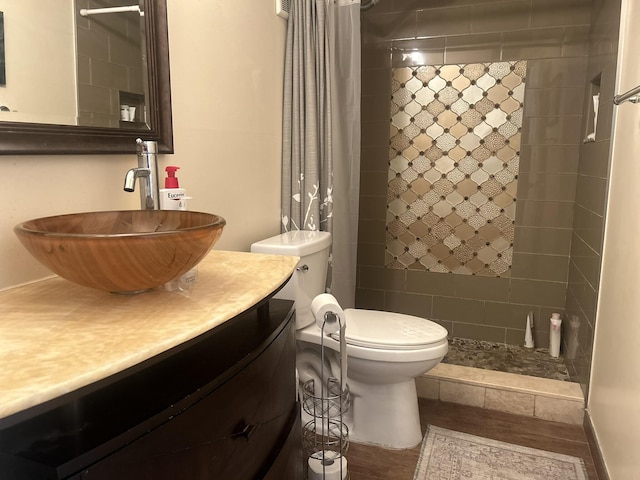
(373, 463)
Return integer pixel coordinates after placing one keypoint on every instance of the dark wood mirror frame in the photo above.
(47, 139)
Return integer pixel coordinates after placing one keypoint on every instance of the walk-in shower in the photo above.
(478, 200)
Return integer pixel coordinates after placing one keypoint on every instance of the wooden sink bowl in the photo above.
(121, 251)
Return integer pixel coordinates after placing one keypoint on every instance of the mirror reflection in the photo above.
(75, 62)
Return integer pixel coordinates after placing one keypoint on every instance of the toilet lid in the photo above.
(395, 331)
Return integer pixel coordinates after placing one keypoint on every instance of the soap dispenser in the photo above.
(172, 197)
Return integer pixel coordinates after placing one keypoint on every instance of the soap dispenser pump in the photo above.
(171, 181)
(172, 197)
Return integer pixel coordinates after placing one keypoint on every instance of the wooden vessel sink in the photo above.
(121, 251)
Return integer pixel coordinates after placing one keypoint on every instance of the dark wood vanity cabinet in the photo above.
(222, 406)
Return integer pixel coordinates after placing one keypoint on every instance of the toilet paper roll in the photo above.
(327, 472)
(327, 303)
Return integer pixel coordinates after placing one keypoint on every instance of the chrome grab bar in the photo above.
(630, 96)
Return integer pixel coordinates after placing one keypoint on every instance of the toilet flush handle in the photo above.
(303, 268)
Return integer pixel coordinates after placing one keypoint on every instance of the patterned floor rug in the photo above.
(449, 455)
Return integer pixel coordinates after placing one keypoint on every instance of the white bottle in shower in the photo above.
(528, 333)
(554, 335)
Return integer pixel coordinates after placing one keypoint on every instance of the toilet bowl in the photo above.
(385, 351)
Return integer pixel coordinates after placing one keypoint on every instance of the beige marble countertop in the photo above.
(56, 337)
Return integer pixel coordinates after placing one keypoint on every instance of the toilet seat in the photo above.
(421, 340)
(390, 331)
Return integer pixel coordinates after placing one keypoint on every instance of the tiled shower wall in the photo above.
(552, 37)
(591, 197)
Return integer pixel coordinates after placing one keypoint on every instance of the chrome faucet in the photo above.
(147, 172)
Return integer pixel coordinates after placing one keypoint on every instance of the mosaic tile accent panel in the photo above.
(453, 167)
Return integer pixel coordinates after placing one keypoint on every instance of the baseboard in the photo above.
(596, 453)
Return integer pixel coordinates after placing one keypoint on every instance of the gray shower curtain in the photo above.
(321, 130)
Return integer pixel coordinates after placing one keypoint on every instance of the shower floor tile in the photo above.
(506, 358)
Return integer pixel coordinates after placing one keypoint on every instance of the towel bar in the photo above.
(631, 96)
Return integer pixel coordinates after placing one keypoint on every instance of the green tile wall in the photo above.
(591, 196)
(562, 182)
(553, 39)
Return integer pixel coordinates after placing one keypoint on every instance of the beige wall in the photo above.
(615, 382)
(227, 63)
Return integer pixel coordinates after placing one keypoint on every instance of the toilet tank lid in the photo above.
(296, 242)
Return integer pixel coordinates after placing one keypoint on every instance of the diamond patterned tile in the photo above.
(479, 176)
(463, 253)
(467, 186)
(455, 135)
(450, 72)
(498, 93)
(481, 153)
(422, 142)
(507, 153)
(398, 185)
(398, 164)
(473, 71)
(461, 82)
(499, 70)
(425, 73)
(419, 229)
(409, 197)
(466, 209)
(491, 188)
(484, 106)
(443, 187)
(437, 83)
(401, 97)
(486, 81)
(471, 118)
(508, 129)
(435, 108)
(409, 175)
(492, 165)
(401, 119)
(464, 232)
(413, 108)
(511, 106)
(454, 220)
(413, 84)
(446, 141)
(452, 242)
(442, 208)
(454, 198)
(455, 176)
(477, 221)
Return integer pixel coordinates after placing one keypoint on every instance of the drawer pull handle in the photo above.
(246, 432)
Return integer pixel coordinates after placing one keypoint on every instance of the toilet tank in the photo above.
(309, 278)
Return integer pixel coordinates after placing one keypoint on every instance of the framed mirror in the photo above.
(104, 116)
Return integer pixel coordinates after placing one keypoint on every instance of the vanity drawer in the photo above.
(235, 432)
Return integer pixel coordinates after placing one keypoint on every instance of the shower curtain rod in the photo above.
(97, 11)
(630, 96)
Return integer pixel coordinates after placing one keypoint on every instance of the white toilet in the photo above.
(385, 351)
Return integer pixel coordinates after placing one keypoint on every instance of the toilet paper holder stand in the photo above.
(326, 436)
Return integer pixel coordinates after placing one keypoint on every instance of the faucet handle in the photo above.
(145, 147)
